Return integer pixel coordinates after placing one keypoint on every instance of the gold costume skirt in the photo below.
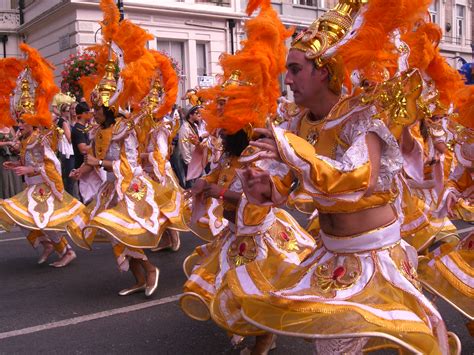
(37, 208)
(420, 229)
(449, 273)
(137, 220)
(358, 287)
(206, 293)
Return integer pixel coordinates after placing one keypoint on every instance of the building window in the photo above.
(460, 16)
(434, 11)
(314, 3)
(175, 50)
(201, 54)
(214, 2)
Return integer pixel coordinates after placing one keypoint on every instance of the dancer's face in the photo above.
(304, 79)
(24, 128)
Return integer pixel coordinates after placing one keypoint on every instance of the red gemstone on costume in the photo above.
(41, 191)
(242, 248)
(135, 187)
(285, 236)
(338, 272)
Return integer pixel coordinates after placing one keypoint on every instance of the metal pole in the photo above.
(120, 7)
(231, 23)
(21, 6)
(4, 39)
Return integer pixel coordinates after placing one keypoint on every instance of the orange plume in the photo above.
(132, 40)
(252, 5)
(42, 73)
(371, 43)
(10, 68)
(423, 43)
(110, 23)
(465, 107)
(448, 81)
(169, 81)
(259, 62)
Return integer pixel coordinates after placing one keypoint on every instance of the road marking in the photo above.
(12, 239)
(89, 317)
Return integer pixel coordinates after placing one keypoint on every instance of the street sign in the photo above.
(205, 81)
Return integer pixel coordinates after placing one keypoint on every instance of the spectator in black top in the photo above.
(66, 152)
(80, 138)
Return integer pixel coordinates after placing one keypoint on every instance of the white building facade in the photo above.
(193, 32)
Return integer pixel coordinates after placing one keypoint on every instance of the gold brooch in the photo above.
(287, 241)
(136, 190)
(41, 194)
(312, 137)
(331, 277)
(242, 251)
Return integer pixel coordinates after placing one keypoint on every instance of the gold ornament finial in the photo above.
(107, 85)
(153, 98)
(234, 80)
(328, 30)
(26, 102)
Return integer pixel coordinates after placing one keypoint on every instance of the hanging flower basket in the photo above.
(76, 66)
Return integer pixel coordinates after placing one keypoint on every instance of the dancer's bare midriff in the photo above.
(348, 224)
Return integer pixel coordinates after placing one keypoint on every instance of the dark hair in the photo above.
(82, 107)
(193, 110)
(63, 108)
(235, 144)
(109, 117)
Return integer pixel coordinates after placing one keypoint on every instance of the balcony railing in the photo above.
(9, 20)
(226, 3)
(456, 41)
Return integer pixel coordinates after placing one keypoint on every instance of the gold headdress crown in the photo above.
(327, 31)
(234, 80)
(26, 102)
(107, 85)
(153, 99)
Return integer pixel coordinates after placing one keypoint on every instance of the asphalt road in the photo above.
(77, 310)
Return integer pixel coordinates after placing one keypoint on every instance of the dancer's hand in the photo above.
(9, 165)
(75, 174)
(267, 144)
(212, 190)
(451, 201)
(256, 184)
(91, 160)
(198, 187)
(23, 170)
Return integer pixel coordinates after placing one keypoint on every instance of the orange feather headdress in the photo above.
(357, 35)
(465, 107)
(27, 89)
(129, 42)
(252, 88)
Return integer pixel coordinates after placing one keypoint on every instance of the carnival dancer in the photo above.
(359, 290)
(447, 271)
(427, 157)
(43, 209)
(127, 209)
(155, 133)
(245, 231)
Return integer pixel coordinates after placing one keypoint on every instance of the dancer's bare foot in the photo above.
(47, 250)
(65, 260)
